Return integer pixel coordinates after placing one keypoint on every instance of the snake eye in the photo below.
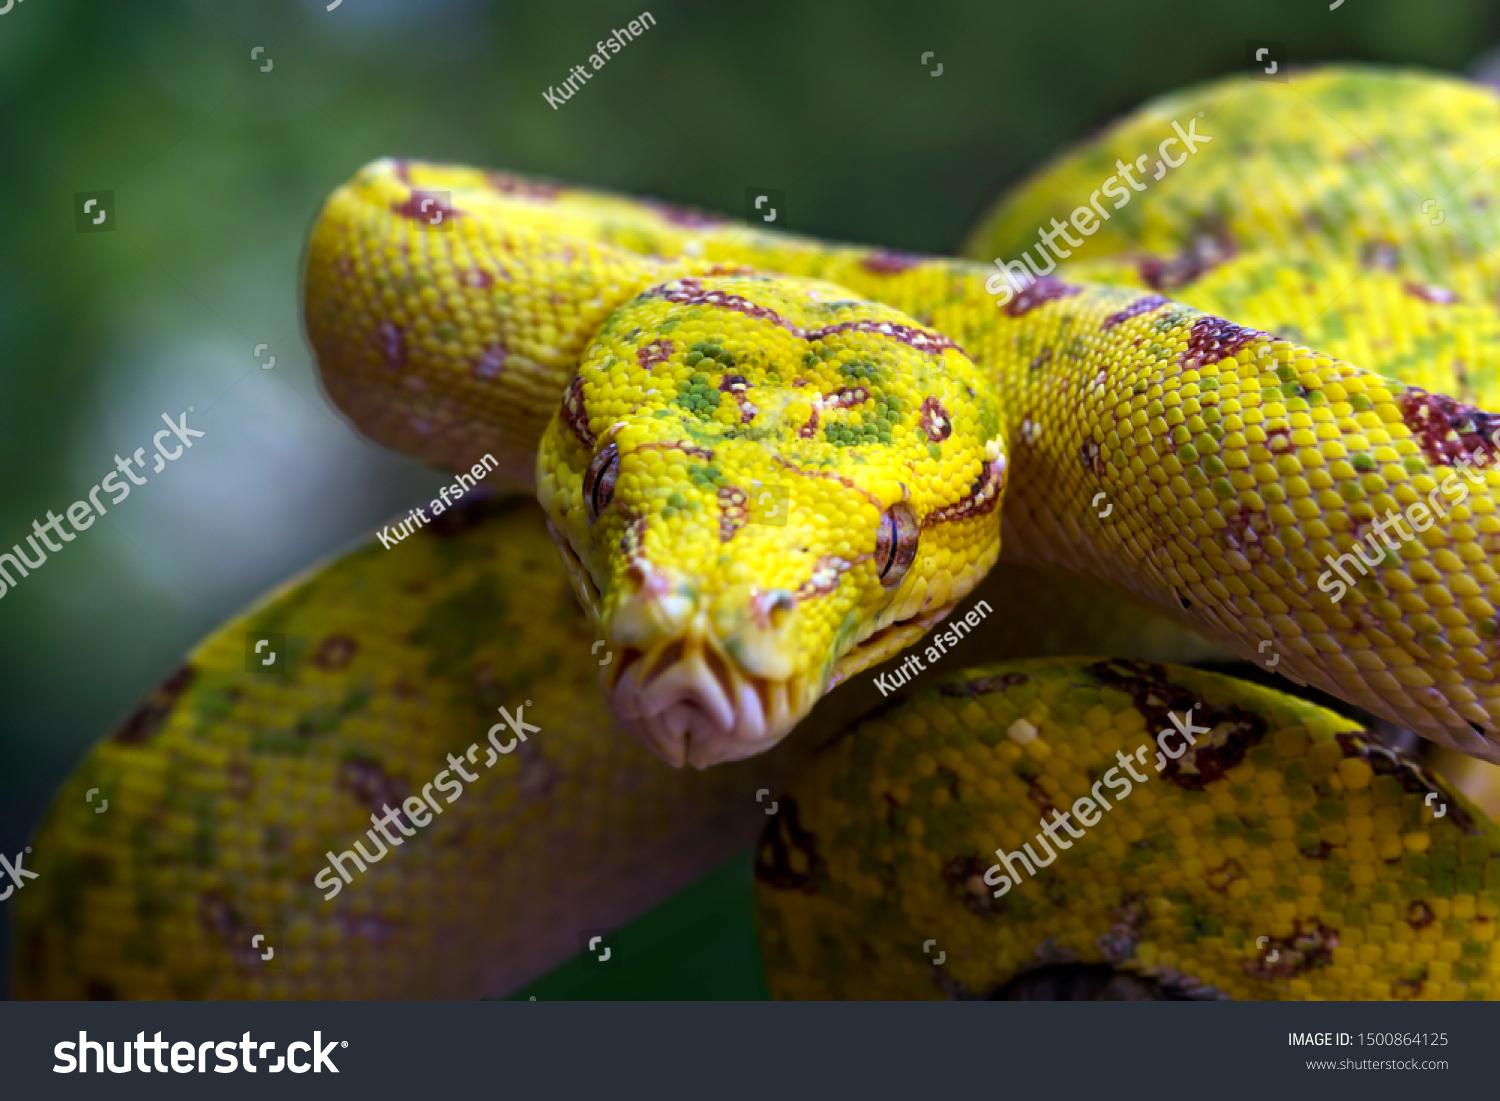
(896, 544)
(599, 481)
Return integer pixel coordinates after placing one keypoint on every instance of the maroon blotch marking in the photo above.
(983, 496)
(1438, 296)
(1135, 309)
(477, 278)
(736, 387)
(633, 538)
(1127, 926)
(1244, 531)
(690, 292)
(1310, 946)
(828, 571)
(1092, 457)
(1039, 796)
(1278, 439)
(392, 341)
(538, 774)
(1382, 254)
(1213, 339)
(983, 686)
(218, 917)
(412, 208)
(1419, 915)
(491, 363)
(1210, 247)
(367, 926)
(935, 420)
(1043, 290)
(890, 263)
(1447, 429)
(520, 187)
(734, 511)
(366, 782)
(684, 216)
(1028, 428)
(965, 878)
(773, 854)
(335, 652)
(574, 415)
(910, 335)
(704, 453)
(658, 351)
(1234, 730)
(152, 715)
(1407, 770)
(847, 397)
(1219, 878)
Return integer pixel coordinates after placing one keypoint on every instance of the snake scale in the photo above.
(768, 464)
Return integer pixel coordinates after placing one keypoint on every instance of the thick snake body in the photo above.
(649, 370)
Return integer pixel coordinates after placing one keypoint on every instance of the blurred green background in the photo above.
(218, 169)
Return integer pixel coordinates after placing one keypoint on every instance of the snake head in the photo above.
(761, 485)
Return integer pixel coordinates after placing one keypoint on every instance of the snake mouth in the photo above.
(689, 705)
(886, 642)
(683, 700)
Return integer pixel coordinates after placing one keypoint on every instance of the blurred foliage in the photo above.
(218, 169)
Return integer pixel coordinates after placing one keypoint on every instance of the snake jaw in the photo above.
(887, 642)
(687, 704)
(704, 684)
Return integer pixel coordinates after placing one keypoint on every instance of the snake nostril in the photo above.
(782, 608)
(771, 608)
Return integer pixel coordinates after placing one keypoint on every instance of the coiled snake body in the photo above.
(770, 463)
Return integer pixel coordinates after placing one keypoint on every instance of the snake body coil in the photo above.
(660, 376)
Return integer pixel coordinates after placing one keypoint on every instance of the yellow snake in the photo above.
(770, 464)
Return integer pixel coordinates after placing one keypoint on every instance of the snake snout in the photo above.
(689, 706)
